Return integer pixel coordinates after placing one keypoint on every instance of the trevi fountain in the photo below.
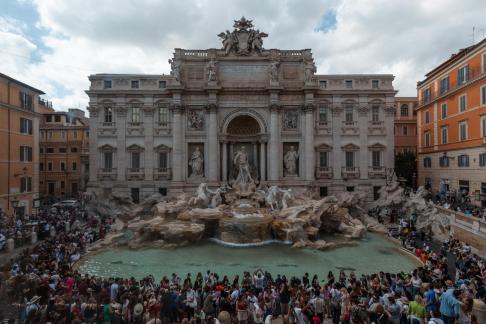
(241, 226)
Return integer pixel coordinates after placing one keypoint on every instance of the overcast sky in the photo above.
(55, 44)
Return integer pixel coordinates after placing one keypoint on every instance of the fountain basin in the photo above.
(370, 255)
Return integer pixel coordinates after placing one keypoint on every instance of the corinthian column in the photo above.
(177, 163)
(213, 143)
(309, 143)
(273, 146)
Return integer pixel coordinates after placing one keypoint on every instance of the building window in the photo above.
(63, 166)
(41, 150)
(463, 75)
(376, 192)
(41, 166)
(74, 166)
(444, 161)
(323, 84)
(483, 95)
(376, 159)
(49, 166)
(375, 84)
(483, 125)
(463, 160)
(404, 110)
(427, 162)
(463, 131)
(48, 118)
(74, 149)
(162, 84)
(26, 126)
(26, 101)
(323, 114)
(49, 134)
(349, 159)
(50, 150)
(75, 134)
(135, 115)
(107, 84)
(405, 131)
(427, 138)
(349, 84)
(482, 159)
(444, 85)
(427, 117)
(349, 114)
(25, 184)
(375, 113)
(135, 160)
(323, 159)
(63, 185)
(163, 160)
(62, 150)
(444, 133)
(462, 103)
(25, 153)
(323, 192)
(163, 114)
(426, 95)
(108, 160)
(135, 84)
(443, 111)
(108, 114)
(57, 118)
(350, 189)
(63, 134)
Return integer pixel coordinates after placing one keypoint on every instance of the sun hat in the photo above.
(138, 309)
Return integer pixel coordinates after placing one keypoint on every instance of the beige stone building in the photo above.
(63, 160)
(169, 133)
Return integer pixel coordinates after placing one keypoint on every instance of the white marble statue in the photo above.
(211, 70)
(287, 197)
(202, 197)
(309, 70)
(290, 161)
(241, 163)
(196, 163)
(273, 71)
(175, 69)
(216, 200)
(271, 197)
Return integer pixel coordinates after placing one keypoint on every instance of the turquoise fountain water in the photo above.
(370, 255)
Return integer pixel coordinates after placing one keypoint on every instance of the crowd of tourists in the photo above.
(44, 287)
(460, 203)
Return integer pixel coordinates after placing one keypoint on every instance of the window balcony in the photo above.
(350, 128)
(135, 173)
(377, 172)
(107, 174)
(108, 124)
(324, 172)
(162, 173)
(135, 124)
(350, 172)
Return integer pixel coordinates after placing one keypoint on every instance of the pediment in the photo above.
(323, 147)
(350, 147)
(377, 146)
(107, 148)
(135, 148)
(162, 148)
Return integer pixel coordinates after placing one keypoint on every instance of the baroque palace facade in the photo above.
(167, 134)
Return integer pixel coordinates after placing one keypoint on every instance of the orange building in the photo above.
(19, 146)
(63, 158)
(451, 121)
(405, 125)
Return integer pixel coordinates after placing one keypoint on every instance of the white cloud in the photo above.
(406, 38)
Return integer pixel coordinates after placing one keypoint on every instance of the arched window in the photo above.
(404, 110)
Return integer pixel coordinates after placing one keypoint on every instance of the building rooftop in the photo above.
(21, 83)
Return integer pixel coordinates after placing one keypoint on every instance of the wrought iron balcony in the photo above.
(162, 173)
(376, 172)
(350, 172)
(324, 172)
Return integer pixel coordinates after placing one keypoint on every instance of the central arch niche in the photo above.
(243, 125)
(243, 130)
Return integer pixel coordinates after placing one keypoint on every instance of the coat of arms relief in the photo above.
(243, 40)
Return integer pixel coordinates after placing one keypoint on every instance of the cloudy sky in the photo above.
(55, 44)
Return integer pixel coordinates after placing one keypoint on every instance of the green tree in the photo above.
(406, 166)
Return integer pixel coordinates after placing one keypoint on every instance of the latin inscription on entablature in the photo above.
(243, 72)
(243, 98)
